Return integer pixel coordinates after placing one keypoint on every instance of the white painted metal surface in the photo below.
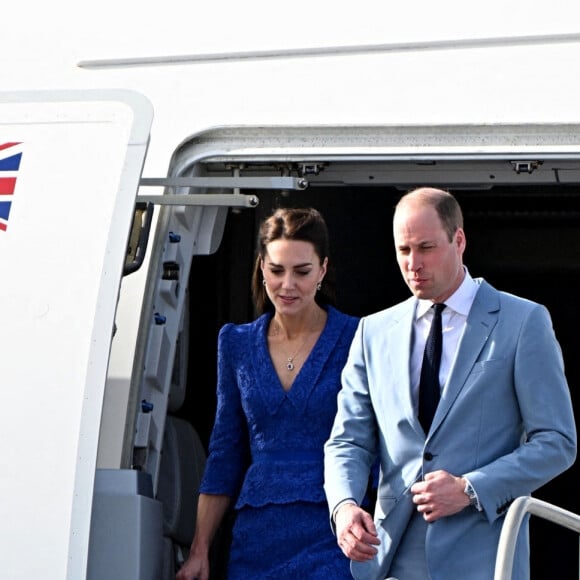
(61, 258)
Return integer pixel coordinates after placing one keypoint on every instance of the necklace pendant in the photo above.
(290, 364)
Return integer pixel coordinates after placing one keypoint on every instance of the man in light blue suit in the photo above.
(503, 427)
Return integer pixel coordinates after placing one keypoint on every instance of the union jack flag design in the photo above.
(10, 155)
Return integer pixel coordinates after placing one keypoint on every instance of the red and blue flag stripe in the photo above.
(10, 156)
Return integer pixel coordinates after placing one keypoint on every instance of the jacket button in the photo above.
(427, 456)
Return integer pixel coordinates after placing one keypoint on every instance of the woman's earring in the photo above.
(264, 282)
(319, 285)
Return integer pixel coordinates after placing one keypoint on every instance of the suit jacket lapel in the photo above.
(398, 351)
(481, 320)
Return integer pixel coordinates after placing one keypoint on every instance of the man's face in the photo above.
(431, 265)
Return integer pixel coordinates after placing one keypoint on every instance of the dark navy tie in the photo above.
(429, 387)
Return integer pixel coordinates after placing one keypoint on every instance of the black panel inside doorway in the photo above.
(525, 241)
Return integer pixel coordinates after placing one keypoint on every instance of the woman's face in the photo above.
(292, 271)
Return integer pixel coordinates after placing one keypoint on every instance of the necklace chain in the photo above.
(290, 366)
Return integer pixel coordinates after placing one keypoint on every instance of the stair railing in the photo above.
(513, 521)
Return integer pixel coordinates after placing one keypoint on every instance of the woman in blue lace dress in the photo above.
(278, 378)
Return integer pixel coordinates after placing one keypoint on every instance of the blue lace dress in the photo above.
(266, 450)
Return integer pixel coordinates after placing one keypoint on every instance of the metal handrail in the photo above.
(511, 526)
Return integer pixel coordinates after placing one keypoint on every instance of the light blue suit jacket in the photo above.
(504, 421)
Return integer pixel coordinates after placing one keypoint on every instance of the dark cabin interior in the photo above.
(522, 240)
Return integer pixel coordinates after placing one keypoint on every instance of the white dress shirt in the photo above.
(453, 319)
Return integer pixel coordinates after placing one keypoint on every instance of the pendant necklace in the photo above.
(290, 363)
(290, 366)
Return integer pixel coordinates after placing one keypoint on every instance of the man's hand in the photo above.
(356, 533)
(439, 495)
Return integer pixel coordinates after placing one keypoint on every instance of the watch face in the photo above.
(470, 492)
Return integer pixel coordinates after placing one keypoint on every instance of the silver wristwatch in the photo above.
(470, 493)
